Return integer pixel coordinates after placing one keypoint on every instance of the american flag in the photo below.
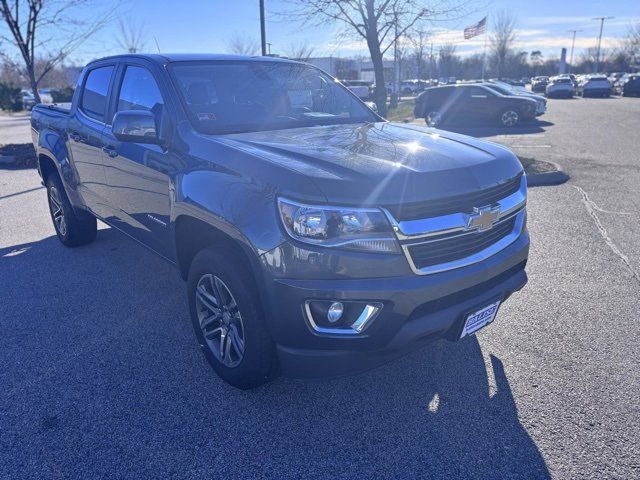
(476, 29)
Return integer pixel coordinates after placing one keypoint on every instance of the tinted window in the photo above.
(240, 96)
(139, 91)
(500, 90)
(477, 91)
(439, 94)
(94, 95)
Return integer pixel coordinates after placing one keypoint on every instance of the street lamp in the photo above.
(573, 44)
(602, 19)
(263, 36)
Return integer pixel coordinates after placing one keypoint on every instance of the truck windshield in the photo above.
(241, 96)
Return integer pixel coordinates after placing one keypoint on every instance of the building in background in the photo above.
(367, 73)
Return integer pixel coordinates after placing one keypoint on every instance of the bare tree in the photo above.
(44, 33)
(419, 38)
(631, 44)
(300, 51)
(243, 45)
(536, 60)
(502, 40)
(378, 22)
(448, 60)
(131, 36)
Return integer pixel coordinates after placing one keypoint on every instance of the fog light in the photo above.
(335, 312)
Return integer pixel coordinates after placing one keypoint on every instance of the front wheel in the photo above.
(509, 118)
(71, 230)
(229, 321)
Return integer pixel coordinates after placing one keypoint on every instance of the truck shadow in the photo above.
(113, 384)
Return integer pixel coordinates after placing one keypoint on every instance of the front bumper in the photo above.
(416, 310)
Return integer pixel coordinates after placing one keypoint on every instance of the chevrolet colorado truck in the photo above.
(316, 238)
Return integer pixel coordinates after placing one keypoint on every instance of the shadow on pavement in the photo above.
(102, 377)
(17, 156)
(537, 126)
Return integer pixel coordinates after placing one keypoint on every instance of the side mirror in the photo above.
(137, 126)
(372, 106)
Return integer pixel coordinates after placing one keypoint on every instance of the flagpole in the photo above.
(484, 51)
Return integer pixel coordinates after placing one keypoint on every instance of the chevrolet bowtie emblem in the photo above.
(483, 218)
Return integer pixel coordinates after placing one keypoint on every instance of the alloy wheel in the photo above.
(220, 320)
(509, 118)
(433, 119)
(57, 212)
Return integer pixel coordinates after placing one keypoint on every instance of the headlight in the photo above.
(364, 229)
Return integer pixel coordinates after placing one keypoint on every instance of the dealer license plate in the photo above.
(479, 319)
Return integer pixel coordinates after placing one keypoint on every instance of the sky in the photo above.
(209, 25)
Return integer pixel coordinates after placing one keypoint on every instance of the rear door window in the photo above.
(94, 94)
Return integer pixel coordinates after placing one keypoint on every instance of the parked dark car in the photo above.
(539, 84)
(505, 89)
(472, 104)
(316, 238)
(628, 85)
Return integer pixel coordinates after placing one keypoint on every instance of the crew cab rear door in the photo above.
(139, 175)
(85, 135)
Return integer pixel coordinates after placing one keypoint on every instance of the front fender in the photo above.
(244, 209)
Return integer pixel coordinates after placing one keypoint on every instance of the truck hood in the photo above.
(382, 163)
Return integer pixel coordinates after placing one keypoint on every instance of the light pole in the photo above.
(573, 44)
(263, 36)
(602, 19)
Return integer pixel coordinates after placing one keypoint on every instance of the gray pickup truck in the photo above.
(316, 238)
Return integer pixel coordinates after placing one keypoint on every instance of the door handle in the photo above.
(109, 150)
(75, 136)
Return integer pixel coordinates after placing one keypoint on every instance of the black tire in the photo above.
(433, 119)
(258, 363)
(72, 230)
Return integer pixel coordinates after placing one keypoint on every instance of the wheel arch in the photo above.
(193, 234)
(47, 166)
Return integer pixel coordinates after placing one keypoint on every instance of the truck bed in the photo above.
(52, 117)
(58, 107)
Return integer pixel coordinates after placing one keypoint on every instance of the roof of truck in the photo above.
(193, 57)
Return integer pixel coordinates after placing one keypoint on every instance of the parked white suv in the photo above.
(560, 86)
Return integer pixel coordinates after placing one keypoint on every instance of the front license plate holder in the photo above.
(479, 319)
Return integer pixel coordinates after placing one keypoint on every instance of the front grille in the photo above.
(460, 203)
(457, 247)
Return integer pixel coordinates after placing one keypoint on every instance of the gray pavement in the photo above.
(102, 377)
(14, 127)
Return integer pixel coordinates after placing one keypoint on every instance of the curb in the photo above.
(547, 179)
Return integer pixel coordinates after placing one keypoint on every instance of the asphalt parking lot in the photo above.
(102, 376)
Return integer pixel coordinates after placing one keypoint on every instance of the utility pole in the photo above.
(602, 19)
(263, 36)
(573, 44)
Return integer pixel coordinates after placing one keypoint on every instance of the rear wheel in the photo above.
(433, 119)
(509, 118)
(71, 230)
(229, 321)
